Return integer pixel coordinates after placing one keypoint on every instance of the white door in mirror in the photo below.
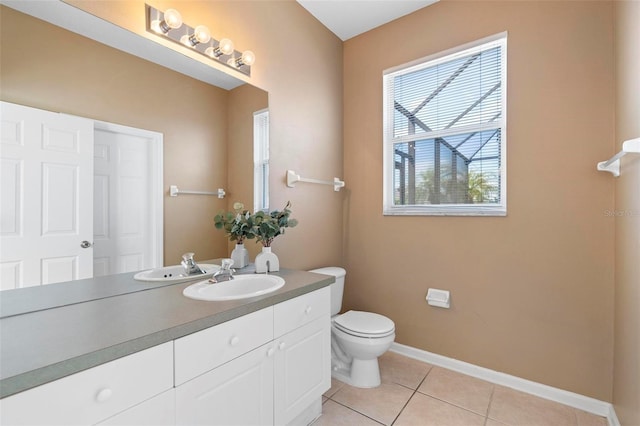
(46, 197)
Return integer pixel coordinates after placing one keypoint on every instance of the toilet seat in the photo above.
(364, 324)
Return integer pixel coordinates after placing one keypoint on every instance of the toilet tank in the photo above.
(337, 288)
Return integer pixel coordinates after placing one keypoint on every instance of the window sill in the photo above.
(448, 210)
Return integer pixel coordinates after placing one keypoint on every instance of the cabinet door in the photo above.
(157, 411)
(239, 392)
(303, 368)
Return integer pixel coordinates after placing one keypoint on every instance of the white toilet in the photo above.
(357, 338)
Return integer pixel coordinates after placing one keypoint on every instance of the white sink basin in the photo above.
(173, 274)
(241, 287)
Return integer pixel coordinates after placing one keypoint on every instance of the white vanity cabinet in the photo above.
(266, 367)
(303, 355)
(157, 411)
(224, 374)
(96, 394)
(267, 382)
(205, 350)
(237, 393)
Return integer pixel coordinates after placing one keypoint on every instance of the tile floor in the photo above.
(416, 393)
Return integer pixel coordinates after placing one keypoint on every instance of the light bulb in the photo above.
(210, 51)
(248, 57)
(226, 46)
(202, 34)
(172, 18)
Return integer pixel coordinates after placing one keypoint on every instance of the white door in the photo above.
(239, 392)
(127, 199)
(46, 174)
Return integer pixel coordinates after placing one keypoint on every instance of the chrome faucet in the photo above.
(225, 273)
(190, 266)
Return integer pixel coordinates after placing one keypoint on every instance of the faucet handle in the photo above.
(226, 264)
(187, 256)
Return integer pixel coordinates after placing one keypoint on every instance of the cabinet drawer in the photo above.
(157, 411)
(200, 352)
(95, 394)
(301, 310)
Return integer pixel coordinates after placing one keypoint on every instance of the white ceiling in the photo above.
(348, 18)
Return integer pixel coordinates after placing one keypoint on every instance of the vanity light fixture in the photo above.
(169, 25)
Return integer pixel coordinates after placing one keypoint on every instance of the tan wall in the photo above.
(626, 367)
(46, 67)
(532, 293)
(299, 62)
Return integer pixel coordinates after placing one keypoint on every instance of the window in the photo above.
(261, 160)
(444, 133)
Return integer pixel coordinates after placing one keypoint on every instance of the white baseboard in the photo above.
(585, 403)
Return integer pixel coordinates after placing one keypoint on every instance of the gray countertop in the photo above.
(59, 339)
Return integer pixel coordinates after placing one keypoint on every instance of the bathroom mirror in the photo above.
(203, 126)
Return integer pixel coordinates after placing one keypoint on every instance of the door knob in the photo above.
(85, 244)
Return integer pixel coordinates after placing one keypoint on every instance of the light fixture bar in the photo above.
(219, 51)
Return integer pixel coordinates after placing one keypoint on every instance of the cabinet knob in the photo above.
(308, 310)
(282, 345)
(271, 351)
(234, 340)
(104, 394)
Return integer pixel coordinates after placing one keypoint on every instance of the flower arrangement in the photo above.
(269, 225)
(238, 225)
(264, 227)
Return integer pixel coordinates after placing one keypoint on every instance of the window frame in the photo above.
(389, 142)
(261, 160)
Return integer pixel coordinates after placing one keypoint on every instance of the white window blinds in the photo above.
(261, 160)
(444, 133)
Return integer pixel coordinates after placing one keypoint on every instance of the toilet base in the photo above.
(360, 374)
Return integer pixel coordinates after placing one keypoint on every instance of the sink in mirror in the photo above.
(241, 287)
(173, 274)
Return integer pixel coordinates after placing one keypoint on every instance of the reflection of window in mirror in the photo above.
(261, 160)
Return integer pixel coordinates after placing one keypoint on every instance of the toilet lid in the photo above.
(364, 323)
